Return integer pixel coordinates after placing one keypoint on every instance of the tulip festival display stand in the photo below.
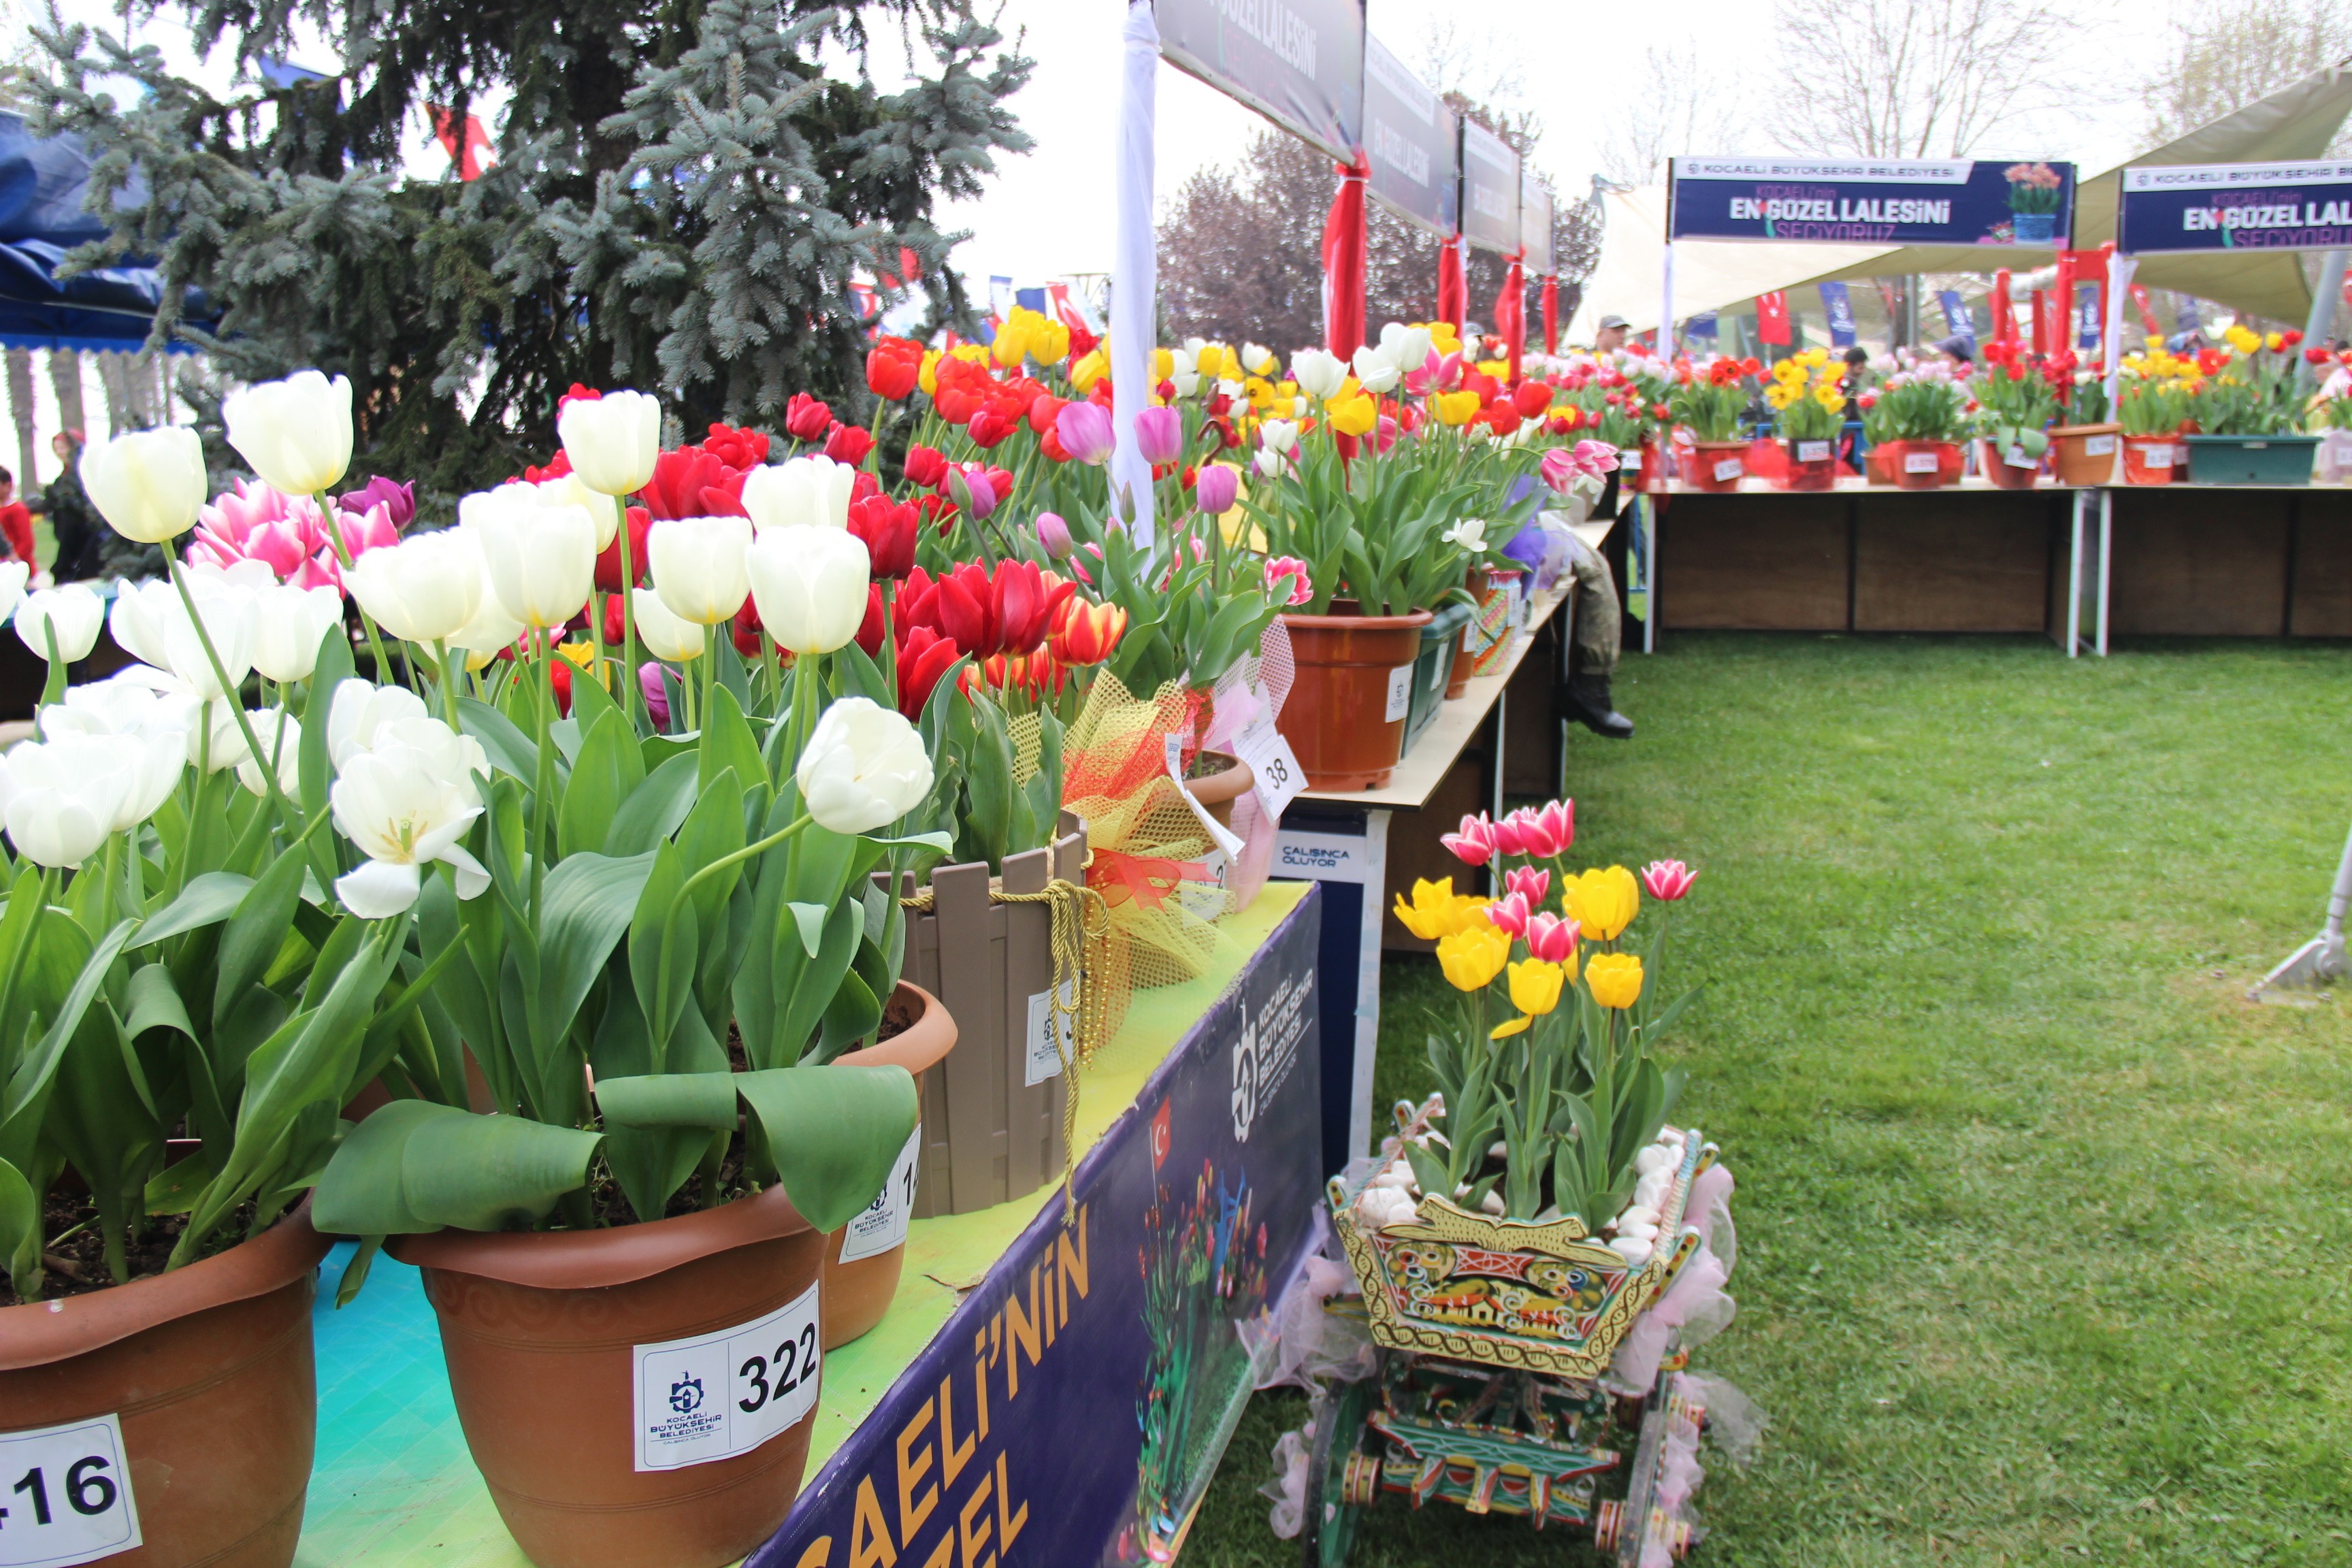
(1041, 1395)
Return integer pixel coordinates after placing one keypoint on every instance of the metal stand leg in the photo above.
(1650, 584)
(2107, 552)
(2074, 578)
(1367, 982)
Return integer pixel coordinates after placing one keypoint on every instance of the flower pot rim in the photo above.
(923, 1044)
(2235, 440)
(1226, 783)
(2108, 428)
(1742, 445)
(35, 1333)
(1414, 620)
(616, 1254)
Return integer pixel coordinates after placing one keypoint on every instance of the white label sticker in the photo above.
(1812, 451)
(1920, 462)
(2016, 458)
(882, 1223)
(1630, 461)
(1727, 469)
(724, 1394)
(1274, 772)
(2098, 446)
(1045, 1051)
(69, 1499)
(1206, 898)
(1400, 693)
(2156, 457)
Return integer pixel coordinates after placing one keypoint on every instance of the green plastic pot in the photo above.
(1432, 667)
(2251, 459)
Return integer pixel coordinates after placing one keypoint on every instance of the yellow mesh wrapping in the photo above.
(1147, 847)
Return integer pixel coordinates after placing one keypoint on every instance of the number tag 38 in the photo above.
(68, 1499)
(719, 1394)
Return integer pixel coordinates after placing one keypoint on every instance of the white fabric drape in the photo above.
(1135, 264)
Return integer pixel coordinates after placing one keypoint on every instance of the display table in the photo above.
(1174, 1119)
(1364, 846)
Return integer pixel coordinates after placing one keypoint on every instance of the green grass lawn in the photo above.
(2043, 1243)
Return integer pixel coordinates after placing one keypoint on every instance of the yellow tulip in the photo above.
(1431, 913)
(1456, 408)
(2241, 339)
(1602, 902)
(2275, 342)
(1472, 957)
(1353, 415)
(971, 354)
(1258, 390)
(1049, 341)
(929, 377)
(1614, 979)
(1163, 365)
(1505, 1030)
(1442, 337)
(1497, 368)
(1535, 985)
(1011, 339)
(1091, 368)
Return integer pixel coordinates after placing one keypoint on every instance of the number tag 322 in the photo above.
(724, 1394)
(68, 1496)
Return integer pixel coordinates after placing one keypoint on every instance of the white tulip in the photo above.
(288, 625)
(810, 585)
(13, 574)
(359, 708)
(1258, 360)
(149, 485)
(71, 616)
(138, 616)
(1375, 371)
(139, 705)
(296, 433)
(541, 558)
(419, 740)
(864, 767)
(663, 633)
(613, 441)
(61, 798)
(279, 735)
(492, 629)
(698, 566)
(1469, 534)
(800, 492)
(1408, 348)
(422, 589)
(151, 623)
(1270, 465)
(402, 805)
(1278, 435)
(1318, 374)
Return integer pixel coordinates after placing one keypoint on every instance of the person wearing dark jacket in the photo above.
(79, 532)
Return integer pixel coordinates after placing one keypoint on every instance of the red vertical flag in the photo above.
(1552, 315)
(463, 145)
(1343, 264)
(1452, 292)
(1772, 318)
(1511, 313)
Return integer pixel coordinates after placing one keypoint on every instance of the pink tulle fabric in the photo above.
(1272, 672)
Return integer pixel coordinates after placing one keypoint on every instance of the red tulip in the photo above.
(1533, 398)
(608, 564)
(887, 527)
(1501, 417)
(923, 657)
(870, 629)
(1086, 634)
(926, 466)
(807, 418)
(848, 444)
(894, 368)
(988, 427)
(738, 448)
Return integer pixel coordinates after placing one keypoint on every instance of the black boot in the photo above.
(1585, 699)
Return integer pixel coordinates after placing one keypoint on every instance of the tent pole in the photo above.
(1666, 307)
(2119, 276)
(2325, 293)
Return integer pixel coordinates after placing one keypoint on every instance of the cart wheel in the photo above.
(1336, 1476)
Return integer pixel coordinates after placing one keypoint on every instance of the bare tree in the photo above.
(2228, 53)
(1681, 107)
(1918, 78)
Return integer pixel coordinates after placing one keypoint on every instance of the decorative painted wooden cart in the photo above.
(1491, 1337)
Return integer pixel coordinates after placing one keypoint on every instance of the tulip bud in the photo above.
(809, 585)
(296, 433)
(800, 492)
(289, 623)
(541, 559)
(424, 588)
(68, 617)
(1054, 535)
(864, 767)
(698, 566)
(664, 635)
(149, 485)
(1216, 489)
(1376, 372)
(613, 441)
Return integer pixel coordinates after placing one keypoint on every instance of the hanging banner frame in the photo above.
(2194, 208)
(1536, 225)
(1873, 201)
(1490, 190)
(1412, 143)
(1300, 63)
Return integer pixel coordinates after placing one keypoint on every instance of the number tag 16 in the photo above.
(68, 1499)
(719, 1394)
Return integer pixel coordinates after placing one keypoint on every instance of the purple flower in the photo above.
(1215, 487)
(1085, 433)
(649, 681)
(400, 501)
(968, 488)
(1054, 535)
(1158, 435)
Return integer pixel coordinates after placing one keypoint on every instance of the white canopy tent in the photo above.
(2297, 121)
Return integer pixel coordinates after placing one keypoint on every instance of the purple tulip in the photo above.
(1054, 535)
(1215, 487)
(649, 681)
(969, 490)
(1085, 433)
(1159, 435)
(400, 501)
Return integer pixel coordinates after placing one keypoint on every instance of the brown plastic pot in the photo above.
(1465, 653)
(2084, 455)
(1337, 716)
(209, 1370)
(1924, 465)
(858, 1293)
(538, 1328)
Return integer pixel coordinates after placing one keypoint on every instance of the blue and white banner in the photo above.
(2236, 206)
(1300, 63)
(1411, 142)
(1703, 325)
(2086, 316)
(1490, 190)
(1959, 320)
(1872, 201)
(1839, 303)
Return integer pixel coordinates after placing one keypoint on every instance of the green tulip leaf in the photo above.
(608, 768)
(586, 904)
(699, 1099)
(20, 1232)
(510, 749)
(831, 1133)
(206, 900)
(655, 808)
(256, 932)
(728, 741)
(333, 667)
(417, 1166)
(852, 1015)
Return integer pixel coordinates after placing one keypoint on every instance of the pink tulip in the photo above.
(1214, 488)
(1509, 913)
(1546, 832)
(1550, 938)
(372, 529)
(649, 681)
(1384, 434)
(1054, 535)
(1302, 587)
(1667, 881)
(1474, 845)
(1510, 833)
(1158, 435)
(1531, 882)
(1085, 432)
(286, 534)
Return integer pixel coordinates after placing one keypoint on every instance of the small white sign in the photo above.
(1727, 469)
(2098, 446)
(2156, 457)
(1206, 898)
(1400, 693)
(2016, 458)
(882, 1223)
(1274, 772)
(1321, 857)
(1047, 1044)
(724, 1394)
(1920, 462)
(1630, 461)
(68, 1499)
(1812, 451)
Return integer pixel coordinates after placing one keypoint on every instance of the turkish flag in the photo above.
(1772, 318)
(462, 149)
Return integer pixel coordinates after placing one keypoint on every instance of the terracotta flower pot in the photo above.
(858, 1293)
(1228, 778)
(2152, 460)
(1345, 716)
(2001, 473)
(1922, 465)
(1651, 478)
(541, 1330)
(1465, 654)
(2084, 455)
(208, 1369)
(1813, 465)
(1716, 465)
